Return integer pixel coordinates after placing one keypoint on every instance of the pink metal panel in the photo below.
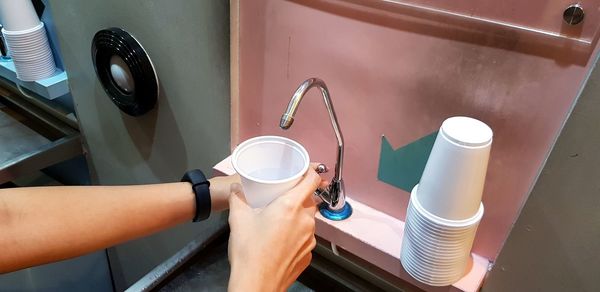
(536, 15)
(375, 236)
(402, 76)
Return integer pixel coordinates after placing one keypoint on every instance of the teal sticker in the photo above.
(404, 166)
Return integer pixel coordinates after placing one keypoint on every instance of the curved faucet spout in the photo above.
(287, 119)
(334, 196)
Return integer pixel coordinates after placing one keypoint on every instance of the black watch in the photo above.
(201, 187)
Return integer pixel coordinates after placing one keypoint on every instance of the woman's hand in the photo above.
(269, 248)
(220, 188)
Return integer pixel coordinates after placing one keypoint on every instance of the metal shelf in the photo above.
(31, 138)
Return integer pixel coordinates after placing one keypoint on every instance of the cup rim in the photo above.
(24, 36)
(443, 221)
(269, 138)
(24, 31)
(418, 220)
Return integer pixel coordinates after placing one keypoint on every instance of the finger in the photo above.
(236, 189)
(314, 166)
(306, 187)
(237, 202)
(323, 184)
(311, 201)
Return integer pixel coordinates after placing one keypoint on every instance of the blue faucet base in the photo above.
(335, 215)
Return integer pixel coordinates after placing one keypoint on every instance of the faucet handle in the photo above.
(324, 195)
(322, 168)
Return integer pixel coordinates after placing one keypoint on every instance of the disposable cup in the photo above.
(36, 76)
(428, 277)
(33, 58)
(414, 216)
(36, 54)
(26, 39)
(452, 250)
(34, 30)
(36, 65)
(440, 246)
(451, 186)
(28, 45)
(437, 256)
(25, 34)
(433, 271)
(31, 50)
(269, 166)
(462, 223)
(431, 277)
(434, 275)
(431, 232)
(422, 230)
(36, 71)
(18, 14)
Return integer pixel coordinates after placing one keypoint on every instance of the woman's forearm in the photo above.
(46, 224)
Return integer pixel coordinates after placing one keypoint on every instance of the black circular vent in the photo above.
(134, 89)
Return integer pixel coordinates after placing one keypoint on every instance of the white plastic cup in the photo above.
(18, 15)
(269, 166)
(31, 53)
(451, 186)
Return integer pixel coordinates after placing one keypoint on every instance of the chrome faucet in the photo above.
(334, 204)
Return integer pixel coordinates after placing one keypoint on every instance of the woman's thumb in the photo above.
(237, 200)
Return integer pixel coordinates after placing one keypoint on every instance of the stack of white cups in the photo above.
(26, 39)
(445, 207)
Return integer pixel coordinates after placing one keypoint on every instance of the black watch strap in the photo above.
(201, 187)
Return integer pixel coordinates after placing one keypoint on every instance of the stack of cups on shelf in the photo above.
(445, 207)
(26, 39)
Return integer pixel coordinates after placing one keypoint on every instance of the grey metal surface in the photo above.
(23, 150)
(210, 273)
(160, 273)
(17, 139)
(86, 273)
(55, 108)
(555, 243)
(188, 42)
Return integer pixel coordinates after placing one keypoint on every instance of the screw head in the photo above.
(322, 168)
(574, 14)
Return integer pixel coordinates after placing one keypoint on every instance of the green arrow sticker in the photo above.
(404, 166)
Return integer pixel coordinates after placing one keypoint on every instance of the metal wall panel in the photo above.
(188, 42)
(555, 243)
